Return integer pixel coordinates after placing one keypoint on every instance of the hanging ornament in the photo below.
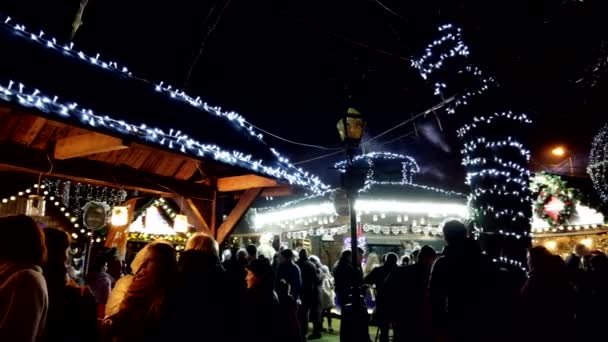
(180, 223)
(120, 216)
(95, 215)
(35, 206)
(395, 230)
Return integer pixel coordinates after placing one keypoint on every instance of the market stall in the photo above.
(104, 143)
(564, 217)
(394, 212)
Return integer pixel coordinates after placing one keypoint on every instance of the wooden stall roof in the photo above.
(109, 143)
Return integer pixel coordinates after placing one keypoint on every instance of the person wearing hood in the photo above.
(122, 285)
(461, 287)
(23, 291)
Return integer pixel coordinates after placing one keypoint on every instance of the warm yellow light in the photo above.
(587, 242)
(559, 151)
(551, 245)
(120, 216)
(180, 223)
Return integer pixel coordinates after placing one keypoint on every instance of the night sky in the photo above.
(293, 67)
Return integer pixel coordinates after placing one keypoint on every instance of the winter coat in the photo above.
(328, 295)
(310, 280)
(203, 298)
(462, 290)
(118, 294)
(259, 315)
(290, 272)
(23, 302)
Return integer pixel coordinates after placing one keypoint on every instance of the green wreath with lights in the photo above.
(546, 187)
(176, 239)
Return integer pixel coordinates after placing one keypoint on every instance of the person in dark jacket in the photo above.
(260, 307)
(348, 281)
(289, 324)
(69, 305)
(377, 277)
(289, 271)
(541, 307)
(408, 307)
(310, 290)
(203, 296)
(461, 288)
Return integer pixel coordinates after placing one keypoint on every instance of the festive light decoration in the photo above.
(311, 213)
(35, 205)
(75, 194)
(598, 163)
(180, 223)
(436, 57)
(120, 216)
(173, 139)
(495, 158)
(409, 167)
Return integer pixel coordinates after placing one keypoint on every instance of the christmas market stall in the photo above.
(565, 216)
(394, 212)
(124, 158)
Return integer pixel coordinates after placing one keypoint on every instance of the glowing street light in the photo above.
(559, 151)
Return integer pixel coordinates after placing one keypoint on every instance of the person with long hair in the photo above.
(145, 312)
(23, 291)
(68, 304)
(122, 285)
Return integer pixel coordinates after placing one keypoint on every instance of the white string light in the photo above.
(174, 139)
(598, 163)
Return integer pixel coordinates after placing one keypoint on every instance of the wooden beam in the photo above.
(191, 208)
(278, 191)
(16, 157)
(214, 214)
(237, 214)
(245, 182)
(86, 144)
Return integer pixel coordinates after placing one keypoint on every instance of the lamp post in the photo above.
(351, 128)
(354, 326)
(561, 151)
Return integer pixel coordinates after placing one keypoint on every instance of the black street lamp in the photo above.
(355, 320)
(351, 128)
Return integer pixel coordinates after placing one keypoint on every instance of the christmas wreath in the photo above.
(554, 200)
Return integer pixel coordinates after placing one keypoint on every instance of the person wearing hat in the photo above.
(260, 305)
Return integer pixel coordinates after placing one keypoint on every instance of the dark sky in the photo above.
(291, 66)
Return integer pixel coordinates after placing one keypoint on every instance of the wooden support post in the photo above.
(214, 215)
(237, 214)
(86, 144)
(194, 211)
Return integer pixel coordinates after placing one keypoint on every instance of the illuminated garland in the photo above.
(500, 201)
(437, 55)
(598, 163)
(547, 187)
(427, 230)
(173, 139)
(177, 239)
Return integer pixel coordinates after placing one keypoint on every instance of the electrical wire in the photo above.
(294, 142)
(423, 113)
(388, 9)
(319, 157)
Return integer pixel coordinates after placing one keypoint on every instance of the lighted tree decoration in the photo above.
(598, 163)
(494, 151)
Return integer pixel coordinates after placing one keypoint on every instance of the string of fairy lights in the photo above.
(173, 139)
(497, 174)
(598, 163)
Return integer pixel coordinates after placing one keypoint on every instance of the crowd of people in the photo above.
(459, 294)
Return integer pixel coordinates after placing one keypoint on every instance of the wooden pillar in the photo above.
(118, 235)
